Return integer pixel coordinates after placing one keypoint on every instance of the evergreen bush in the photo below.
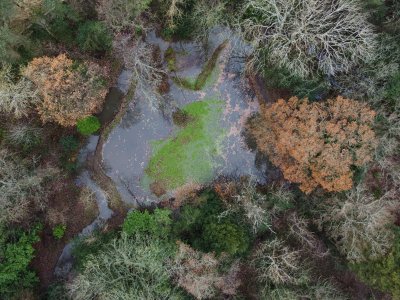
(88, 125)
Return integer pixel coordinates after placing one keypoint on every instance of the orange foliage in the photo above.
(70, 91)
(316, 144)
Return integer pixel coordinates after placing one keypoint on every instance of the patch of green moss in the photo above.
(189, 155)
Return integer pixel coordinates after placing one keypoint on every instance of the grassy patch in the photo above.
(190, 154)
(170, 58)
(206, 73)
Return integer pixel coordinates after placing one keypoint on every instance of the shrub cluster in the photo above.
(16, 253)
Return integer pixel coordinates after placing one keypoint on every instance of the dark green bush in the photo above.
(61, 22)
(202, 227)
(16, 253)
(377, 10)
(93, 36)
(393, 90)
(88, 125)
(225, 237)
(69, 144)
(313, 88)
(57, 291)
(156, 224)
(383, 273)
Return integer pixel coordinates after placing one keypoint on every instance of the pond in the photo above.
(197, 135)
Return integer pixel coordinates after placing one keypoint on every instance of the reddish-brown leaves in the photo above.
(315, 144)
(70, 91)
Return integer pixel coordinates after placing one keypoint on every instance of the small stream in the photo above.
(65, 261)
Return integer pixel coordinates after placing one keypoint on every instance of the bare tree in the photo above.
(253, 204)
(308, 35)
(200, 273)
(174, 11)
(120, 15)
(25, 135)
(20, 187)
(17, 96)
(196, 272)
(279, 264)
(138, 57)
(298, 229)
(359, 223)
(206, 15)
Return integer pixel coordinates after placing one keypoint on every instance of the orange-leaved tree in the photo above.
(316, 144)
(70, 91)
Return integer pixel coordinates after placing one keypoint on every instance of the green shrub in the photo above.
(225, 237)
(377, 10)
(57, 291)
(189, 221)
(170, 58)
(314, 89)
(155, 224)
(202, 227)
(93, 36)
(71, 166)
(393, 90)
(16, 253)
(69, 144)
(383, 273)
(61, 21)
(59, 231)
(88, 125)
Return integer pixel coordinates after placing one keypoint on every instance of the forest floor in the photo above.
(65, 200)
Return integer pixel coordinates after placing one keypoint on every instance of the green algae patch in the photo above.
(207, 74)
(191, 154)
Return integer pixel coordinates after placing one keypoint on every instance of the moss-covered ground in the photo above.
(191, 153)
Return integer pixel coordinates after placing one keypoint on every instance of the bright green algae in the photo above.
(191, 154)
